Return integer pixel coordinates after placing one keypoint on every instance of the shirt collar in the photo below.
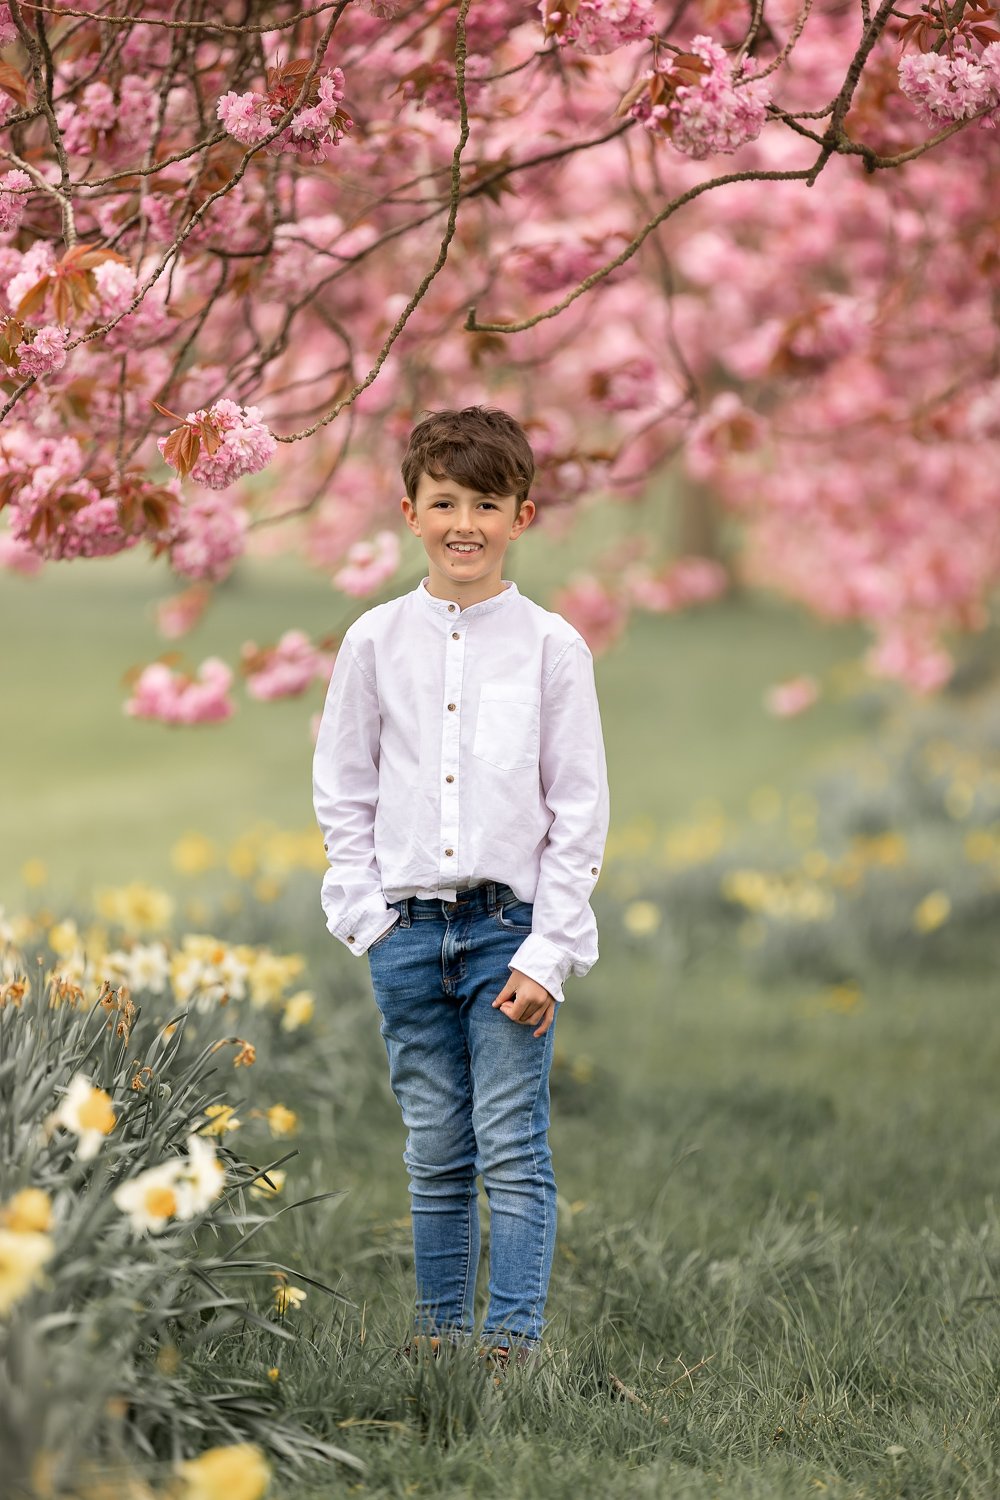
(444, 606)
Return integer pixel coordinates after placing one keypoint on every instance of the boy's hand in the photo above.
(524, 1000)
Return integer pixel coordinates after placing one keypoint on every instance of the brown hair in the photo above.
(480, 447)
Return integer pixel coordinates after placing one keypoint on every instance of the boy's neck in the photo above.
(488, 589)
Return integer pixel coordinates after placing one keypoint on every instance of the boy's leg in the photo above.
(429, 1075)
(510, 1073)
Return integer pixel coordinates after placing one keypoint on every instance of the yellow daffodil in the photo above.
(260, 1188)
(29, 1211)
(87, 1111)
(237, 1472)
(151, 1198)
(22, 1256)
(932, 912)
(193, 854)
(288, 1298)
(222, 1118)
(641, 918)
(64, 938)
(282, 1121)
(34, 872)
(298, 1010)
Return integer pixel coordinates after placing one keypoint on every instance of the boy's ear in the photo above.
(525, 516)
(409, 510)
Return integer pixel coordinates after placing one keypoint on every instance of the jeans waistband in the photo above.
(480, 898)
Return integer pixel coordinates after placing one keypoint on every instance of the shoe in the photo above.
(499, 1358)
(421, 1344)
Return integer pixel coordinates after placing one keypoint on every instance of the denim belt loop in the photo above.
(404, 911)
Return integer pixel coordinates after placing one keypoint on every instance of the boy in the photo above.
(460, 782)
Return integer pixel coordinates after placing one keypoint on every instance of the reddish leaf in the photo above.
(13, 84)
(33, 300)
(182, 448)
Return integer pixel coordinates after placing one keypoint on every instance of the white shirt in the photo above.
(457, 746)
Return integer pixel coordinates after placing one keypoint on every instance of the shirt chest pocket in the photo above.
(507, 726)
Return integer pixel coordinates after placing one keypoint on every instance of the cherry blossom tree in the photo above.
(244, 245)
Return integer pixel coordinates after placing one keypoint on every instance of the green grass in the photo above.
(803, 1199)
(797, 1205)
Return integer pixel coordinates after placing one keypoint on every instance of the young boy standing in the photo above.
(460, 782)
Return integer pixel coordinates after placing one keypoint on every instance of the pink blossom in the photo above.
(791, 697)
(369, 565)
(180, 613)
(45, 353)
(727, 429)
(246, 445)
(951, 88)
(209, 537)
(115, 285)
(597, 614)
(36, 262)
(910, 655)
(98, 121)
(598, 25)
(173, 698)
(716, 113)
(249, 118)
(680, 584)
(14, 189)
(8, 31)
(284, 670)
(18, 557)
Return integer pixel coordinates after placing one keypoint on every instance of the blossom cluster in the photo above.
(369, 565)
(699, 103)
(597, 25)
(316, 126)
(207, 539)
(14, 189)
(945, 89)
(230, 441)
(175, 698)
(284, 670)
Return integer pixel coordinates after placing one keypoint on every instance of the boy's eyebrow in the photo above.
(450, 495)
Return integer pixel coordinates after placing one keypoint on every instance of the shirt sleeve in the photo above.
(574, 775)
(345, 796)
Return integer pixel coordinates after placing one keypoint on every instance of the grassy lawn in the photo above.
(778, 1246)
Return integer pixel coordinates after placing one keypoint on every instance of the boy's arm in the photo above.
(345, 796)
(574, 775)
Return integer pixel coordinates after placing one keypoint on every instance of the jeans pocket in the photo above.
(514, 916)
(383, 936)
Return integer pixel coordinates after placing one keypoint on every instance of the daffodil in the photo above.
(22, 1256)
(932, 912)
(237, 1472)
(202, 1178)
(222, 1118)
(288, 1297)
(152, 1198)
(87, 1111)
(282, 1121)
(271, 1187)
(193, 854)
(29, 1211)
(298, 1010)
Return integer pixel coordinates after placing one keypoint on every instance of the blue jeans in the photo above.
(473, 1087)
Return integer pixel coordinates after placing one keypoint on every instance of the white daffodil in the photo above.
(233, 973)
(87, 1111)
(152, 1199)
(23, 1253)
(201, 1179)
(149, 967)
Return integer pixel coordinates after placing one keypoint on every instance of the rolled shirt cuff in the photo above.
(359, 932)
(543, 962)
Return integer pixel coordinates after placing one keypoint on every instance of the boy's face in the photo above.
(465, 536)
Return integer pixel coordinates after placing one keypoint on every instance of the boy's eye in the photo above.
(490, 503)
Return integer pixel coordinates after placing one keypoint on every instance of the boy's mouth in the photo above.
(464, 547)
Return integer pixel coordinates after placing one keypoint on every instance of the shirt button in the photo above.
(593, 870)
(351, 938)
(451, 705)
(455, 635)
(449, 851)
(449, 778)
(452, 608)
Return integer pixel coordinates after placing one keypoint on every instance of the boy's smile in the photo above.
(465, 535)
